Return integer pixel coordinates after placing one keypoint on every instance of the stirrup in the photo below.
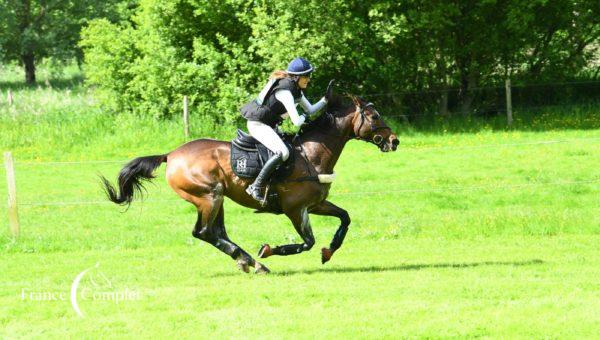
(256, 193)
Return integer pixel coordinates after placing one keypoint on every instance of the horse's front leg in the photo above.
(327, 208)
(299, 218)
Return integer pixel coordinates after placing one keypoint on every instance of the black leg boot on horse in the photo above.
(257, 188)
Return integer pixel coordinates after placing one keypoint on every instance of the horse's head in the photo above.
(369, 126)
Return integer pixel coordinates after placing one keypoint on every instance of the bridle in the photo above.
(377, 139)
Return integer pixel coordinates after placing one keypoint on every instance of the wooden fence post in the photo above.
(186, 118)
(509, 113)
(13, 216)
(10, 97)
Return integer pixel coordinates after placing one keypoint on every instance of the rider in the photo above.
(277, 101)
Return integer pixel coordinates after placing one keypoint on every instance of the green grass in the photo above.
(486, 232)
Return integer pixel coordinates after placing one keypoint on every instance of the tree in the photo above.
(467, 44)
(34, 29)
(219, 52)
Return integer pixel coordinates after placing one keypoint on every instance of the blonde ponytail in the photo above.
(279, 74)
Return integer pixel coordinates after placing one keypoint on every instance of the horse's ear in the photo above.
(356, 100)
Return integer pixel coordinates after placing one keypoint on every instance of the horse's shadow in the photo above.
(404, 267)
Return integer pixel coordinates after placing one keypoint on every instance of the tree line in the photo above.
(144, 56)
(31, 30)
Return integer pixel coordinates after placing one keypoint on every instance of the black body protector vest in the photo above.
(270, 110)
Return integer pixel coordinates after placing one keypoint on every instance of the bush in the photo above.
(219, 53)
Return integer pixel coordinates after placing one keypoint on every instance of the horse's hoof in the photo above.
(265, 251)
(326, 254)
(261, 269)
(243, 266)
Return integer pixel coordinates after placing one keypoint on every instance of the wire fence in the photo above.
(477, 88)
(75, 203)
(496, 110)
(469, 188)
(484, 98)
(354, 193)
(485, 101)
(411, 106)
(592, 181)
(71, 162)
(416, 148)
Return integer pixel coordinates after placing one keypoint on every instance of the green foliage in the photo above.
(63, 119)
(112, 67)
(33, 29)
(219, 53)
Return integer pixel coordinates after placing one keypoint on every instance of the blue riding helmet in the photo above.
(299, 67)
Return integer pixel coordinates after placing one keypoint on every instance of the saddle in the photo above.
(248, 156)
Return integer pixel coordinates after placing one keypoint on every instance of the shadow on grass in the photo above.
(404, 267)
(59, 84)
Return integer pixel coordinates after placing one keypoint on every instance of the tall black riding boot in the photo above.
(256, 189)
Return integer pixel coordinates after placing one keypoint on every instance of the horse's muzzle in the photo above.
(390, 145)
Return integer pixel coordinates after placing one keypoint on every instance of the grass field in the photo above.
(489, 232)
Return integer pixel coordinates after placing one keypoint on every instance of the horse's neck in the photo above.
(324, 148)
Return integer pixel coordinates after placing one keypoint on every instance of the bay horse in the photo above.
(200, 172)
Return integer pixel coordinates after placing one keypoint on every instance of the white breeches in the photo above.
(268, 137)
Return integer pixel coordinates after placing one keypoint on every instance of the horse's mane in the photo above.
(337, 106)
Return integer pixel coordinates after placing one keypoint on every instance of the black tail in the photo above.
(131, 177)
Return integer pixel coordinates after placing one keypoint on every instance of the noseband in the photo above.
(377, 139)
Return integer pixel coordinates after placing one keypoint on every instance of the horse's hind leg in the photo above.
(210, 227)
(246, 259)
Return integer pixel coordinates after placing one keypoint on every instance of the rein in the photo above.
(376, 140)
(297, 137)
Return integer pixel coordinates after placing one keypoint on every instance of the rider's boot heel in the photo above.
(256, 189)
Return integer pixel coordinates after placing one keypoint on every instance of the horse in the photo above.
(200, 172)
